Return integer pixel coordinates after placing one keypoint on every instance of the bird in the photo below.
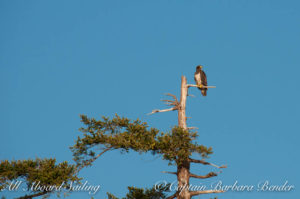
(200, 79)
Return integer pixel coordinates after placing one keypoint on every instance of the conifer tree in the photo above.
(126, 135)
(40, 175)
(119, 133)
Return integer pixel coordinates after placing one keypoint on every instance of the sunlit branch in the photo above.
(193, 85)
(163, 110)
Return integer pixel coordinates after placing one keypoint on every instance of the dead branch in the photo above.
(192, 127)
(209, 175)
(164, 110)
(169, 172)
(193, 85)
(170, 102)
(171, 95)
(173, 103)
(207, 163)
(194, 193)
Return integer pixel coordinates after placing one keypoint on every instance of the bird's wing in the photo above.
(203, 78)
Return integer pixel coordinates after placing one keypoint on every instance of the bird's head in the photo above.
(199, 67)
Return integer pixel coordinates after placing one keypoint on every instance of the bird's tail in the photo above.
(203, 91)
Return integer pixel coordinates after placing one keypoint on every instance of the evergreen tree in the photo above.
(40, 176)
(175, 146)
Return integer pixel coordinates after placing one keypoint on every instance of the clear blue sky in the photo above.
(59, 59)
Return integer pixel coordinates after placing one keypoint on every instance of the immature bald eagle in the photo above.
(200, 78)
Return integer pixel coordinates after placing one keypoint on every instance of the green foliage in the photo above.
(139, 193)
(111, 196)
(121, 133)
(178, 145)
(44, 171)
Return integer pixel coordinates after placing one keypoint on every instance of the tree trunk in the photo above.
(181, 109)
(183, 170)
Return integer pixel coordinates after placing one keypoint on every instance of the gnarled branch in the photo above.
(173, 103)
(171, 95)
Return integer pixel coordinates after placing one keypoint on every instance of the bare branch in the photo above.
(164, 110)
(170, 102)
(192, 127)
(194, 193)
(207, 163)
(171, 95)
(169, 172)
(209, 175)
(173, 103)
(193, 85)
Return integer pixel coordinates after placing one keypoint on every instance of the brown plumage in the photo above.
(201, 80)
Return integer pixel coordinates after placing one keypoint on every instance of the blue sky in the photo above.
(59, 59)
